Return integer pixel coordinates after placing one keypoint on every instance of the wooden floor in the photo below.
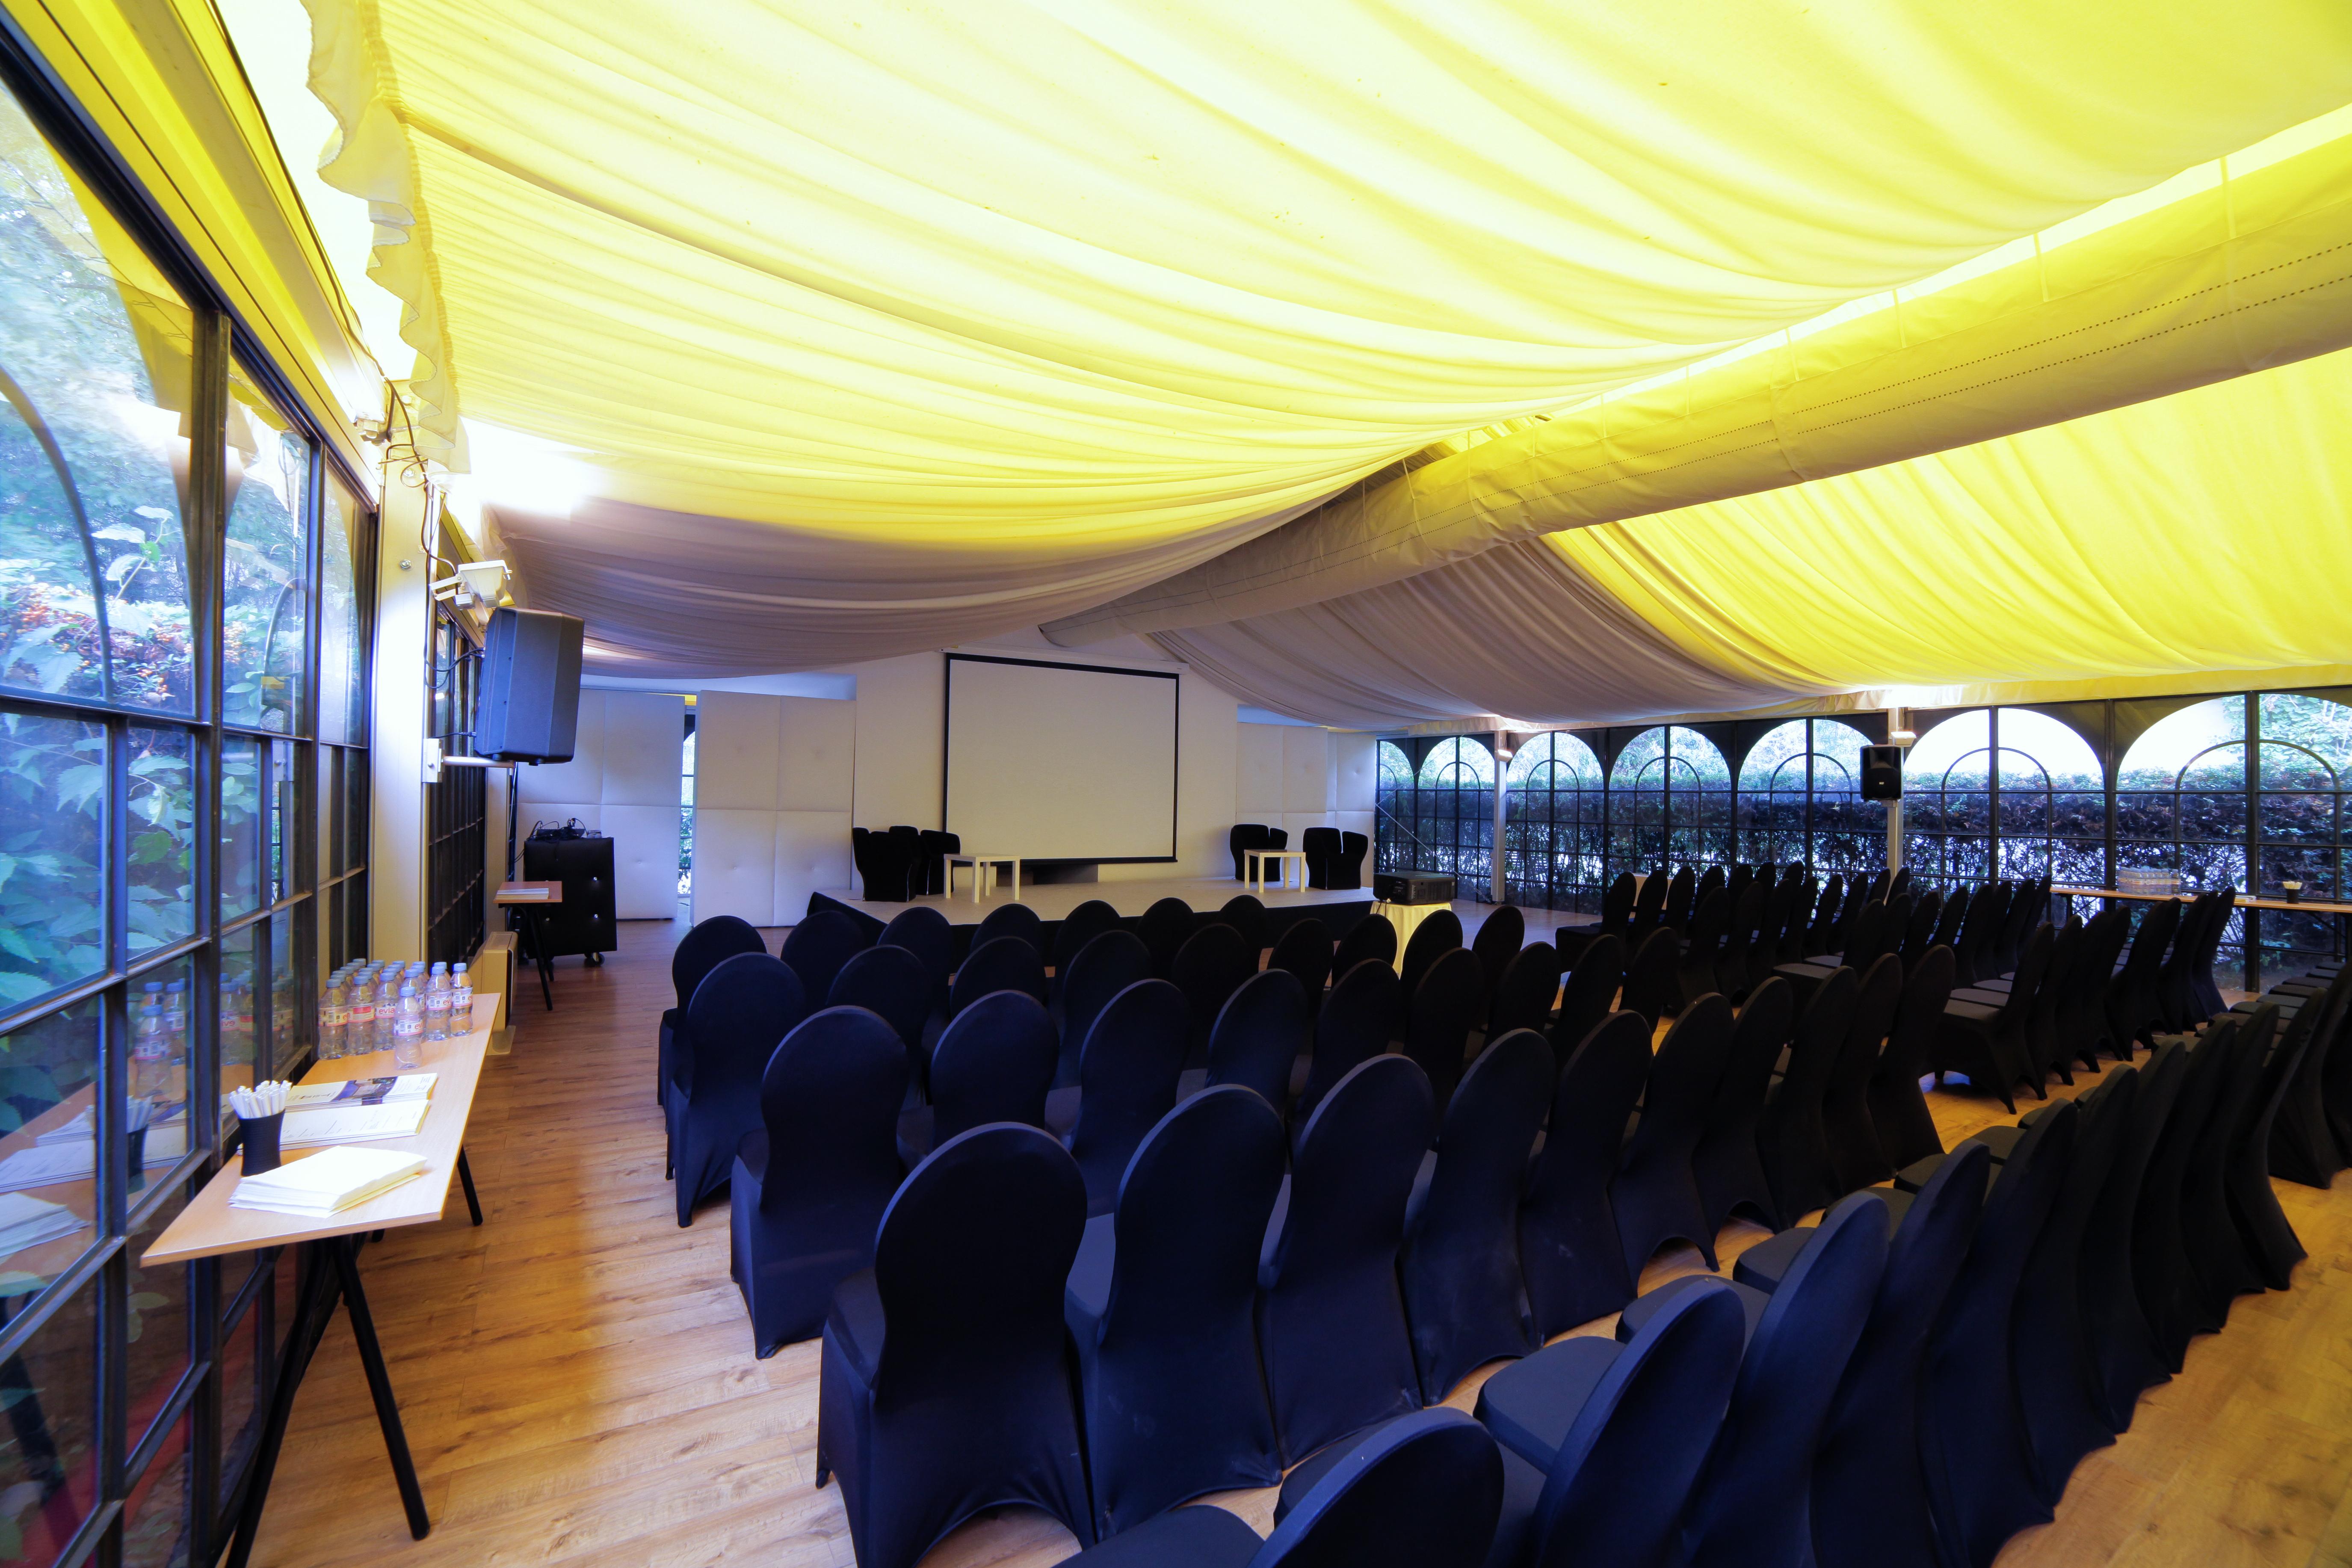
(578, 1382)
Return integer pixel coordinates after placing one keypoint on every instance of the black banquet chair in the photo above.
(1500, 936)
(1126, 1082)
(1006, 963)
(1569, 1247)
(1370, 937)
(1011, 920)
(891, 983)
(994, 1063)
(811, 1182)
(701, 950)
(1208, 969)
(1791, 1137)
(741, 1012)
(1160, 1304)
(1899, 1106)
(1438, 1019)
(1304, 951)
(1439, 933)
(1331, 1321)
(1655, 1196)
(821, 944)
(1651, 988)
(1247, 915)
(1587, 995)
(1352, 1029)
(1076, 929)
(1465, 1300)
(1258, 1037)
(925, 932)
(1855, 1156)
(1524, 995)
(1166, 926)
(1103, 968)
(1729, 1172)
(945, 1383)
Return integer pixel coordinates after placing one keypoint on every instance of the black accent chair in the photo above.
(887, 865)
(1011, 920)
(1106, 966)
(932, 847)
(741, 1012)
(890, 983)
(1440, 931)
(1568, 1246)
(1248, 836)
(1500, 936)
(701, 950)
(1655, 1194)
(1331, 1321)
(1587, 995)
(1729, 1172)
(945, 1387)
(1264, 1028)
(1335, 859)
(821, 944)
(1128, 1069)
(1791, 1137)
(810, 1183)
(1304, 952)
(994, 1063)
(1372, 937)
(1352, 1029)
(1162, 1303)
(1438, 1020)
(1523, 1000)
(1465, 1298)
(1165, 927)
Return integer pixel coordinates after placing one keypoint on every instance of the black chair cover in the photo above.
(925, 932)
(1711, 880)
(1731, 960)
(1589, 994)
(1990, 1042)
(1523, 998)
(1465, 1298)
(1920, 934)
(1790, 1136)
(1616, 1434)
(2083, 1007)
(2253, 1202)
(2047, 1050)
(1106, 966)
(1649, 988)
(1438, 1020)
(2123, 1346)
(1748, 1507)
(1370, 937)
(1166, 926)
(1500, 936)
(1352, 1029)
(1729, 1172)
(945, 1383)
(1869, 1492)
(1245, 836)
(1011, 920)
(2161, 1267)
(1981, 1488)
(743, 1007)
(1649, 907)
(1076, 929)
(1956, 914)
(1331, 1316)
(2201, 973)
(1568, 1246)
(810, 1183)
(1127, 1077)
(1852, 1136)
(1823, 930)
(1971, 952)
(1247, 915)
(1006, 963)
(1682, 893)
(700, 951)
(1208, 969)
(1899, 1106)
(2303, 1146)
(890, 983)
(1420, 1491)
(1437, 934)
(1702, 954)
(1260, 1035)
(994, 1063)
(2134, 1009)
(1655, 1194)
(1160, 1305)
(2220, 1261)
(1304, 951)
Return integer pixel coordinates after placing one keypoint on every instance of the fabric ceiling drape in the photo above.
(995, 310)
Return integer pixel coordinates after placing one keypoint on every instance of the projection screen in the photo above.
(1060, 762)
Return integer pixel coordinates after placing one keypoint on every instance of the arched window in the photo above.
(1800, 799)
(1393, 823)
(1670, 802)
(2008, 793)
(1553, 837)
(1454, 815)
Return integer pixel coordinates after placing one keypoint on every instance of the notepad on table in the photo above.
(27, 1222)
(361, 1091)
(353, 1124)
(326, 1182)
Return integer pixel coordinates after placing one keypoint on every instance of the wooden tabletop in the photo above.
(208, 1227)
(513, 893)
(2308, 905)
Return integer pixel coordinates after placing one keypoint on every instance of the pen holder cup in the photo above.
(138, 1158)
(261, 1142)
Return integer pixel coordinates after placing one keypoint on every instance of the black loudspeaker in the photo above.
(529, 706)
(1882, 773)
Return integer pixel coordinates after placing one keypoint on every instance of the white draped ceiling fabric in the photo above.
(881, 329)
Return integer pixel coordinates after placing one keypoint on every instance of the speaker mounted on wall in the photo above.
(530, 707)
(1882, 773)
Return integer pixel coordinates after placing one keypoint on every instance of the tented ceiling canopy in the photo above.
(882, 328)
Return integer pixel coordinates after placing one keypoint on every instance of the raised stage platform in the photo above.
(1338, 908)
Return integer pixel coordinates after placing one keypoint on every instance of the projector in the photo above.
(1413, 888)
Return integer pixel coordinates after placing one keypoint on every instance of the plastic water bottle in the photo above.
(387, 1008)
(437, 1003)
(151, 1051)
(334, 1017)
(461, 1000)
(175, 1018)
(358, 1014)
(408, 1039)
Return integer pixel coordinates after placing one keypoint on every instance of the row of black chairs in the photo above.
(897, 863)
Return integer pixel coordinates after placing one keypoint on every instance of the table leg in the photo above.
(387, 1409)
(313, 1307)
(465, 1174)
(545, 966)
(1016, 881)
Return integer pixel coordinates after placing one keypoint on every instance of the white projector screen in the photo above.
(1060, 762)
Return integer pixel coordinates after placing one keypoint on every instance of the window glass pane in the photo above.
(155, 1515)
(241, 825)
(157, 1323)
(1552, 828)
(355, 810)
(52, 801)
(1455, 816)
(1947, 801)
(1772, 786)
(50, 1066)
(265, 588)
(1849, 832)
(94, 397)
(160, 1010)
(331, 799)
(49, 1445)
(162, 807)
(240, 1397)
(236, 981)
(1670, 802)
(342, 663)
(285, 799)
(288, 1036)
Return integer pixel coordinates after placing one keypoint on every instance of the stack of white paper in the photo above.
(326, 1183)
(353, 1124)
(361, 1091)
(29, 1222)
(49, 1164)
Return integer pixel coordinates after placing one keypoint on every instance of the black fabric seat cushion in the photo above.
(1530, 1404)
(1763, 1266)
(1642, 1308)
(1202, 1536)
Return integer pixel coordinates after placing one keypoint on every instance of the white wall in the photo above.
(623, 780)
(773, 786)
(1294, 778)
(397, 735)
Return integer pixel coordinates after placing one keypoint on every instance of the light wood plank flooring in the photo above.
(579, 1388)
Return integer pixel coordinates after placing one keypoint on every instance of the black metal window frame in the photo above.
(304, 784)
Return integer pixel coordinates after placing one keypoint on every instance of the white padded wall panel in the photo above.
(1357, 822)
(645, 860)
(1306, 772)
(645, 748)
(1257, 789)
(1297, 823)
(737, 749)
(819, 739)
(1356, 773)
(581, 778)
(812, 852)
(735, 864)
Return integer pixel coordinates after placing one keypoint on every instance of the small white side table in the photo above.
(983, 873)
(1253, 864)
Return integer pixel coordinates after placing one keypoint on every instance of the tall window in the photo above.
(182, 851)
(686, 811)
(1454, 813)
(2006, 792)
(1554, 834)
(1393, 823)
(1801, 800)
(1670, 802)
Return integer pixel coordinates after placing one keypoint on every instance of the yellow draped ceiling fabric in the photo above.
(885, 327)
(2195, 538)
